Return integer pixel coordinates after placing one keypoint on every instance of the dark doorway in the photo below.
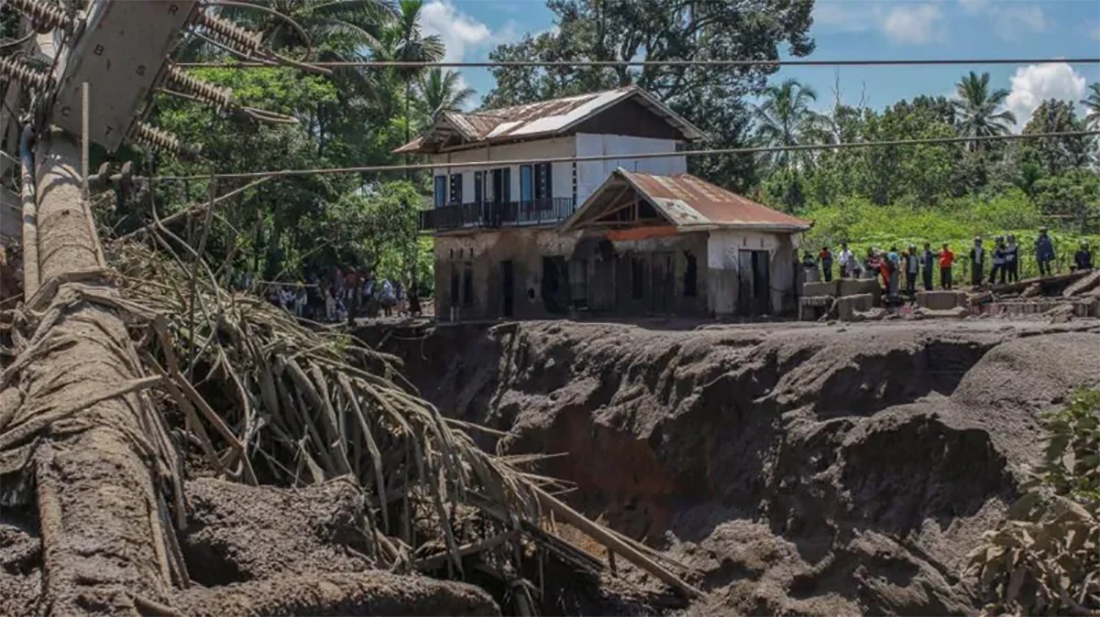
(754, 283)
(555, 285)
(468, 284)
(508, 287)
(661, 283)
(691, 275)
(455, 299)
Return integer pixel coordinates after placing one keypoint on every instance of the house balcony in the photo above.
(493, 215)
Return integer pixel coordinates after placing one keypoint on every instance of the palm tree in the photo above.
(336, 29)
(405, 42)
(784, 118)
(1092, 103)
(443, 91)
(977, 108)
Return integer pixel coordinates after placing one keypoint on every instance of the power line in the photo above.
(642, 155)
(648, 63)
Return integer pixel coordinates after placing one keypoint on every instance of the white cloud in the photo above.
(900, 22)
(460, 32)
(1035, 83)
(464, 37)
(1014, 22)
(1010, 20)
(913, 24)
(846, 16)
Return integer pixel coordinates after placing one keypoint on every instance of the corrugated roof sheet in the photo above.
(689, 201)
(541, 119)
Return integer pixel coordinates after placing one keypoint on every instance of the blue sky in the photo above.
(860, 29)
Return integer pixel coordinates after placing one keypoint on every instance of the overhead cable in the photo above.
(638, 156)
(648, 63)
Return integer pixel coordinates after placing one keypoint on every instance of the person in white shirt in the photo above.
(847, 261)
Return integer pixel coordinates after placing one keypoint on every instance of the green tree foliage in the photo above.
(1044, 559)
(977, 107)
(712, 98)
(784, 118)
(290, 227)
(441, 91)
(1055, 156)
(1092, 103)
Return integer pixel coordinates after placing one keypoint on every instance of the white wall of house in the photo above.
(590, 175)
(558, 147)
(725, 268)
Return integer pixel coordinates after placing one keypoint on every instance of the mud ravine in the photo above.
(809, 470)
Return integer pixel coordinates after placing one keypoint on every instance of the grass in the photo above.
(863, 225)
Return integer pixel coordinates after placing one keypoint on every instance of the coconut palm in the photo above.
(443, 91)
(404, 41)
(337, 29)
(977, 108)
(784, 118)
(1092, 104)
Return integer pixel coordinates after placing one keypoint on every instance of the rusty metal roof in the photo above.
(541, 119)
(688, 201)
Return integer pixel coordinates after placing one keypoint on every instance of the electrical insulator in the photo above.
(24, 73)
(220, 98)
(241, 39)
(45, 15)
(162, 140)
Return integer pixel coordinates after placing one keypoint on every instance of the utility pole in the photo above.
(98, 451)
(102, 464)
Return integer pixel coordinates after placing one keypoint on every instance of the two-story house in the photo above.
(501, 249)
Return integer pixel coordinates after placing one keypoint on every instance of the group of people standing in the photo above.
(1002, 263)
(346, 295)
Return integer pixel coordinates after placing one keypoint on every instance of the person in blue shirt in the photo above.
(928, 266)
(895, 270)
(1044, 251)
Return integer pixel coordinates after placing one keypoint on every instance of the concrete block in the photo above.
(813, 307)
(848, 306)
(852, 287)
(819, 289)
(939, 300)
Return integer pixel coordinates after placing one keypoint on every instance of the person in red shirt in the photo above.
(826, 259)
(947, 258)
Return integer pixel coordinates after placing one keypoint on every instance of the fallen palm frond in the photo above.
(308, 404)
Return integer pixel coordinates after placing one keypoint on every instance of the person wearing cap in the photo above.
(1012, 259)
(912, 269)
(892, 270)
(947, 260)
(1044, 251)
(977, 262)
(998, 261)
(1082, 259)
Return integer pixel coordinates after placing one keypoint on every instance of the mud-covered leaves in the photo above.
(306, 405)
(1045, 558)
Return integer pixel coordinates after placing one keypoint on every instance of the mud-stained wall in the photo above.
(476, 261)
(726, 270)
(692, 275)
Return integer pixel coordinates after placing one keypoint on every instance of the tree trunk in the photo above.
(101, 522)
(408, 126)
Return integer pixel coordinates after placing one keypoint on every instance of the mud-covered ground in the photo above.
(810, 469)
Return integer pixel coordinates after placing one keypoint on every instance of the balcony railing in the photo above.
(497, 214)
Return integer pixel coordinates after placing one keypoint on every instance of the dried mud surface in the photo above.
(795, 469)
